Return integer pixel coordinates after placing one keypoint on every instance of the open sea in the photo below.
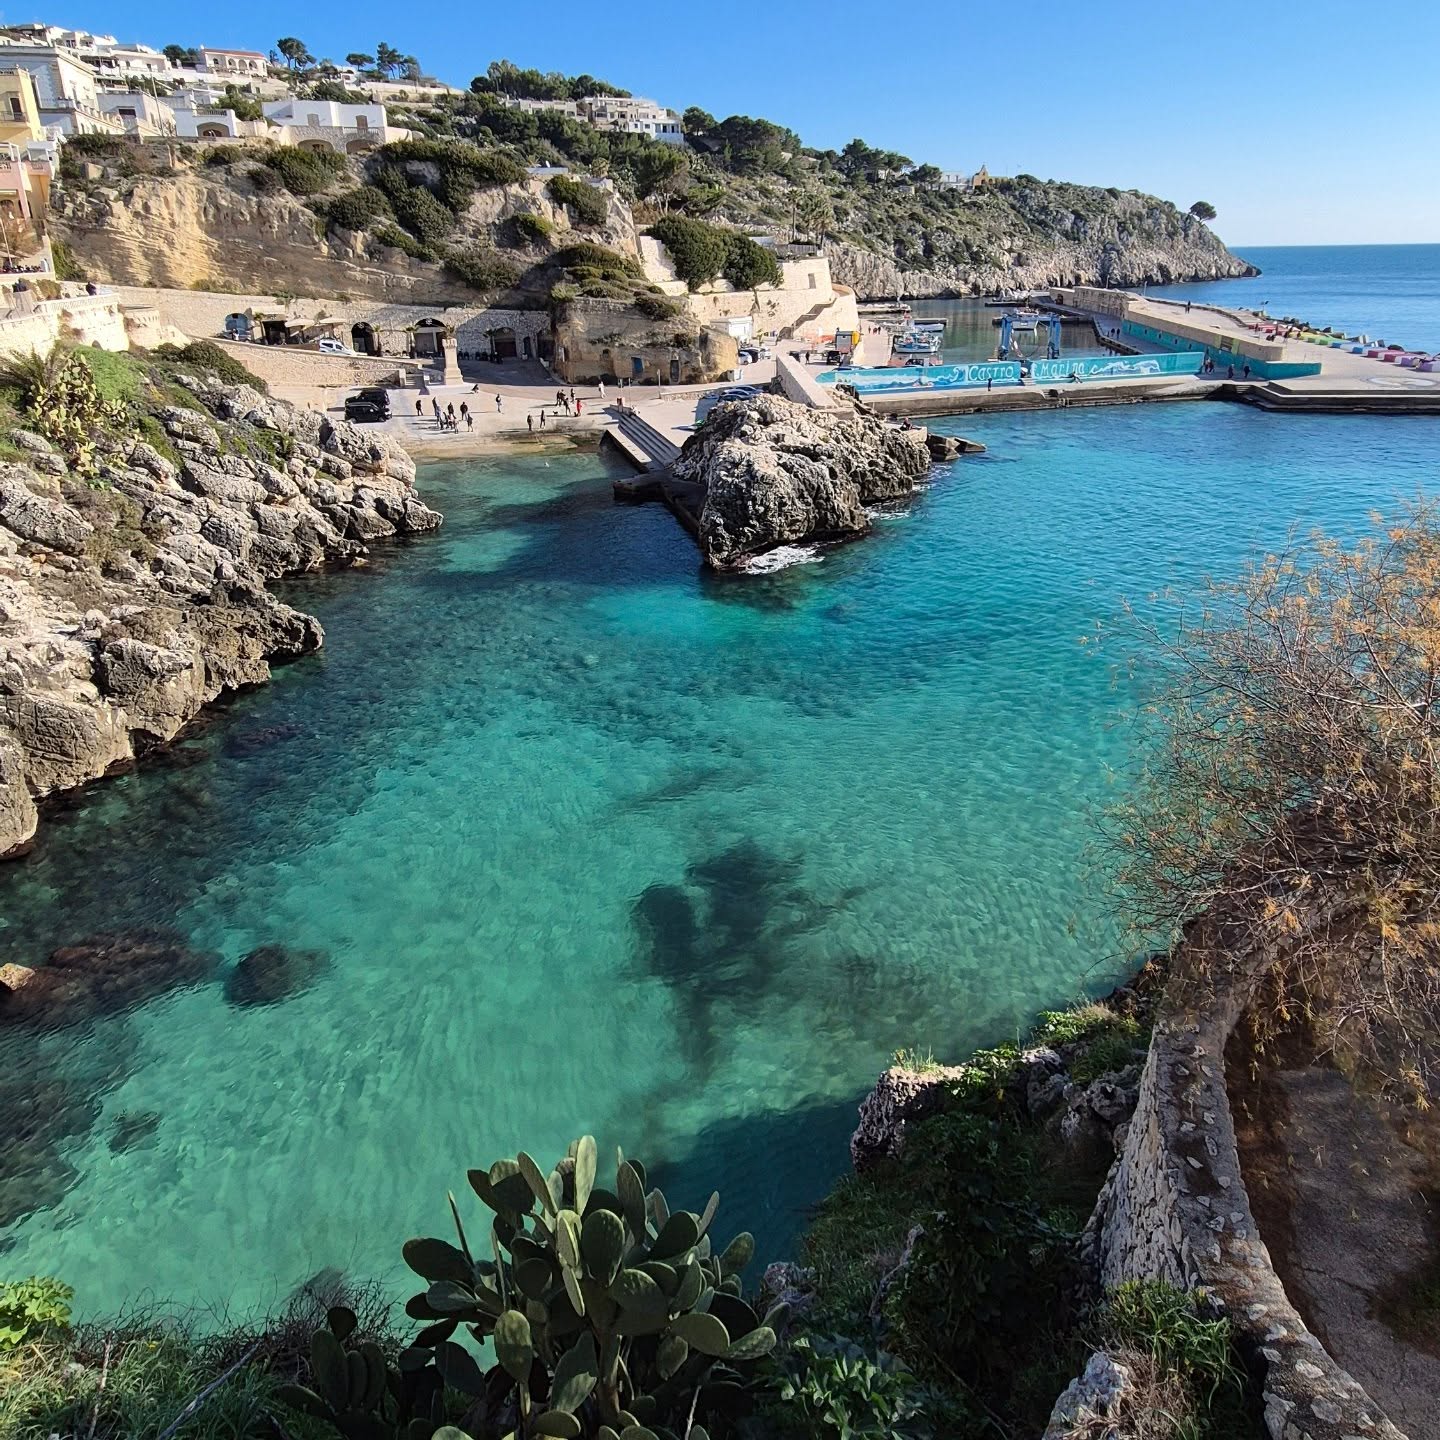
(594, 841)
(1388, 292)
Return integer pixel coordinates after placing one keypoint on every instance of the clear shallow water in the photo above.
(597, 842)
(1389, 292)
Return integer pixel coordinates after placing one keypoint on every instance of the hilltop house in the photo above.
(627, 115)
(329, 125)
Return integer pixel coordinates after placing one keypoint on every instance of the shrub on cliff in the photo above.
(206, 355)
(423, 215)
(531, 228)
(657, 307)
(701, 252)
(586, 202)
(482, 269)
(1286, 804)
(306, 172)
(59, 397)
(355, 209)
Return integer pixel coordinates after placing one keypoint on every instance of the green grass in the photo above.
(119, 378)
(1111, 1041)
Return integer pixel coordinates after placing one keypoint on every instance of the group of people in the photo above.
(449, 418)
(1208, 368)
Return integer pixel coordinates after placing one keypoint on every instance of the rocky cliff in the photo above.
(214, 227)
(135, 594)
(1024, 235)
(774, 473)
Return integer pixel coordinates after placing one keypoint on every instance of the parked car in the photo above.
(368, 406)
(737, 392)
(749, 356)
(327, 346)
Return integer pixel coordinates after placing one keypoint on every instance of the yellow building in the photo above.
(26, 165)
(19, 107)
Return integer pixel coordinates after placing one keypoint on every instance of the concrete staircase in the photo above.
(642, 443)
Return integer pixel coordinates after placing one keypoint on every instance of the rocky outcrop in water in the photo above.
(131, 598)
(776, 473)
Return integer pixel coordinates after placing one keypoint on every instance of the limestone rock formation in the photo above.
(1042, 235)
(1091, 1405)
(774, 473)
(901, 1096)
(129, 601)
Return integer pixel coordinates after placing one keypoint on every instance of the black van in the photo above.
(368, 405)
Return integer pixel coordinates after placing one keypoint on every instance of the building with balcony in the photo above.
(232, 63)
(65, 88)
(617, 114)
(330, 125)
(140, 113)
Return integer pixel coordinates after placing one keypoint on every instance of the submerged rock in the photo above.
(273, 972)
(777, 473)
(127, 607)
(133, 1129)
(100, 974)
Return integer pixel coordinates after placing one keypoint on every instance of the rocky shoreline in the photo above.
(132, 597)
(772, 472)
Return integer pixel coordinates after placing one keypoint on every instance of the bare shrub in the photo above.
(1289, 793)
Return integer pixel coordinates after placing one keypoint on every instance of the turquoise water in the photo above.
(1389, 292)
(595, 841)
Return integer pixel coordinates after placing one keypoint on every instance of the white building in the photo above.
(626, 115)
(66, 89)
(125, 63)
(232, 63)
(330, 125)
(140, 112)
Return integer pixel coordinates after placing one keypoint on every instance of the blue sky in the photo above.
(1302, 124)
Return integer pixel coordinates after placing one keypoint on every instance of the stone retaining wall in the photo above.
(1175, 1208)
(290, 365)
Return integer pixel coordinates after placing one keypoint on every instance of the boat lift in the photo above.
(1010, 350)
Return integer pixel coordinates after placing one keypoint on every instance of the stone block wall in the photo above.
(607, 340)
(290, 365)
(87, 320)
(1175, 1208)
(201, 315)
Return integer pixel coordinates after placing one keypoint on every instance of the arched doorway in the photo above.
(502, 343)
(362, 338)
(316, 146)
(528, 349)
(212, 132)
(426, 337)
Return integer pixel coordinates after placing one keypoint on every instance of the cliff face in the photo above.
(1025, 236)
(131, 598)
(211, 229)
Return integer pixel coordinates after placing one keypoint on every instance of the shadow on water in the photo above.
(757, 1163)
(719, 940)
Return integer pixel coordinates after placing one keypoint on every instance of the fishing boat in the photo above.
(915, 343)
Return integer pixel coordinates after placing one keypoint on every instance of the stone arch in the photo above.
(503, 344)
(316, 145)
(427, 337)
(363, 339)
(212, 132)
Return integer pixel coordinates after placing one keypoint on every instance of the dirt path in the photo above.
(1346, 1206)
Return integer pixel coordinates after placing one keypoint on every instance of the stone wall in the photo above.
(201, 315)
(290, 365)
(1175, 1208)
(87, 320)
(607, 340)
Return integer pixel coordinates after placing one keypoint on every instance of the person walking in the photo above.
(497, 404)
(450, 411)
(419, 406)
(572, 399)
(464, 409)
(578, 404)
(435, 406)
(530, 423)
(602, 392)
(542, 419)
(470, 423)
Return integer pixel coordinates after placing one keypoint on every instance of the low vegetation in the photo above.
(585, 202)
(306, 172)
(702, 252)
